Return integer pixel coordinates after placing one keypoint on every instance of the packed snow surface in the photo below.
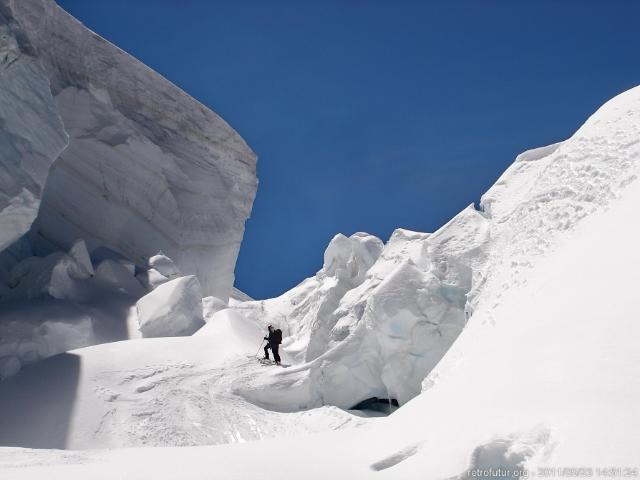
(153, 392)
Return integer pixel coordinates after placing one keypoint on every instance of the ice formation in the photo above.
(60, 302)
(58, 275)
(103, 164)
(542, 378)
(31, 131)
(146, 168)
(374, 320)
(164, 266)
(238, 296)
(364, 330)
(508, 336)
(160, 270)
(172, 309)
(81, 268)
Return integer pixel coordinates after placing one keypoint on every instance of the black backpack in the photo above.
(278, 336)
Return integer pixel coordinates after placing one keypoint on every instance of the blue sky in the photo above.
(372, 115)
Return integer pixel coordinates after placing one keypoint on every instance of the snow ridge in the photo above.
(379, 332)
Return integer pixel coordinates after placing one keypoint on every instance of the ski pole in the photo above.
(258, 351)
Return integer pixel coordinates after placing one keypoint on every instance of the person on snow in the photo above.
(274, 339)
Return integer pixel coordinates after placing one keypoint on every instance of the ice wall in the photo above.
(377, 330)
(147, 167)
(374, 320)
(31, 131)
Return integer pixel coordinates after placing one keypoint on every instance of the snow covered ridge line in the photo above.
(375, 320)
(140, 166)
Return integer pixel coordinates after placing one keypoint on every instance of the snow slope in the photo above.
(543, 370)
(548, 379)
(374, 322)
(157, 392)
(146, 169)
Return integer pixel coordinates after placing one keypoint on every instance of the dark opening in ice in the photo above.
(384, 405)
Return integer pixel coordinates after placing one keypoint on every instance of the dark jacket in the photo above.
(275, 337)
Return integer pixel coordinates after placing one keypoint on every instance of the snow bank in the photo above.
(238, 296)
(146, 168)
(172, 309)
(211, 306)
(153, 392)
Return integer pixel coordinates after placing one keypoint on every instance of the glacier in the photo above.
(507, 337)
(32, 134)
(140, 167)
(104, 164)
(448, 323)
(173, 309)
(378, 334)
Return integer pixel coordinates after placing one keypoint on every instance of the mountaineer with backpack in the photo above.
(274, 339)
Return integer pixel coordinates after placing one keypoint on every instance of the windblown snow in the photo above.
(508, 337)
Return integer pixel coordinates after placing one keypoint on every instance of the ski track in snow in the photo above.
(186, 404)
(395, 459)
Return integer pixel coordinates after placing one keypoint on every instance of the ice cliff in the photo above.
(113, 153)
(31, 131)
